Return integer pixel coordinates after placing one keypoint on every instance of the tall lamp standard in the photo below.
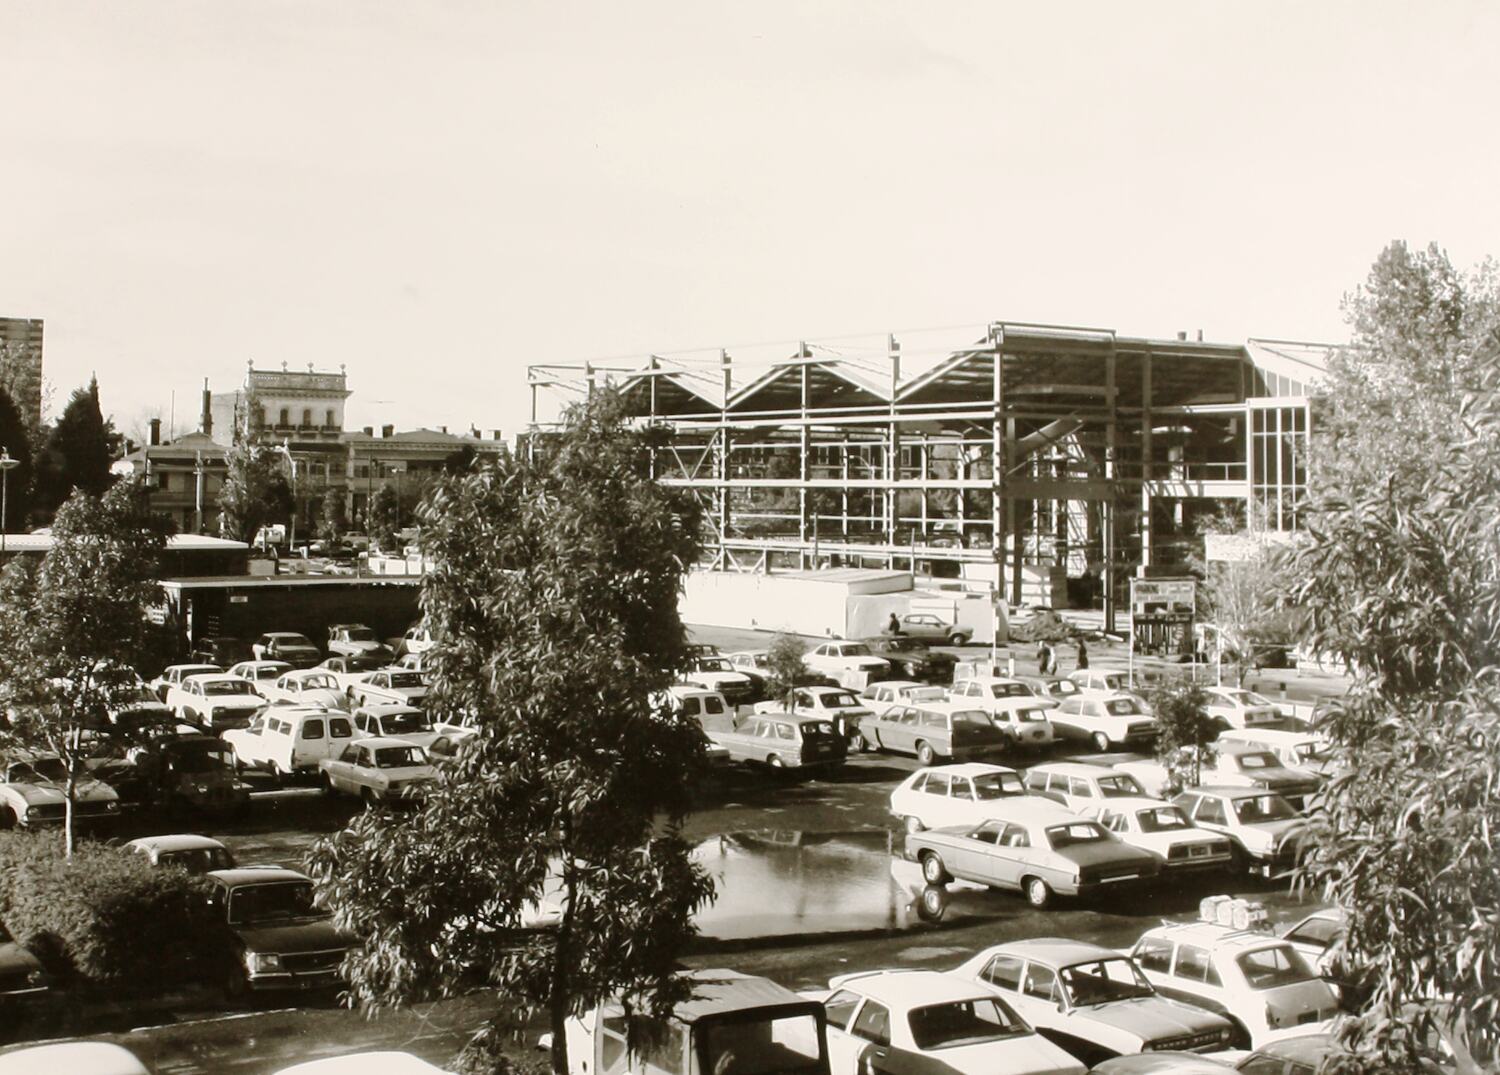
(7, 464)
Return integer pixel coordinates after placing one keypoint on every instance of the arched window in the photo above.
(286, 417)
(306, 416)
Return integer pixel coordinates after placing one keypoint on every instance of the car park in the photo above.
(286, 740)
(1092, 1001)
(934, 730)
(307, 686)
(782, 741)
(1227, 962)
(1035, 846)
(1264, 830)
(289, 646)
(185, 851)
(1108, 721)
(1164, 830)
(714, 673)
(259, 674)
(388, 685)
(33, 794)
(393, 721)
(354, 640)
(910, 658)
(930, 627)
(218, 701)
(848, 663)
(911, 1021)
(281, 940)
(1235, 707)
(890, 693)
(953, 795)
(221, 651)
(174, 674)
(378, 770)
(1080, 786)
(345, 670)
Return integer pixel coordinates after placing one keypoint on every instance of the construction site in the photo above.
(1036, 464)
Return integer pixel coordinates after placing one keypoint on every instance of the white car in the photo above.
(1164, 830)
(1080, 786)
(72, 1058)
(1235, 765)
(289, 739)
(174, 674)
(1235, 707)
(1092, 1001)
(1255, 978)
(1297, 750)
(307, 686)
(393, 721)
(920, 1020)
(188, 851)
(260, 673)
(376, 1063)
(947, 795)
(388, 685)
(1017, 712)
(379, 771)
(714, 673)
(216, 701)
(33, 794)
(850, 663)
(346, 670)
(837, 704)
(889, 693)
(1105, 720)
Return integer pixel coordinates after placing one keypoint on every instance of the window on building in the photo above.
(306, 417)
(328, 418)
(286, 417)
(163, 480)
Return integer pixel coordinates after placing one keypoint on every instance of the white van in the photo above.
(290, 739)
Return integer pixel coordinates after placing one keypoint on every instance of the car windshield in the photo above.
(1104, 981)
(197, 859)
(1312, 752)
(902, 644)
(1162, 819)
(205, 758)
(1123, 707)
(857, 650)
(39, 771)
(816, 727)
(752, 1042)
(407, 679)
(319, 683)
(1077, 832)
(361, 634)
(1064, 687)
(835, 699)
(1259, 760)
(405, 723)
(398, 757)
(925, 694)
(714, 664)
(1031, 714)
(1263, 808)
(268, 671)
(218, 688)
(272, 901)
(293, 640)
(1269, 968)
(1008, 690)
(1119, 787)
(363, 664)
(963, 1022)
(997, 786)
(975, 717)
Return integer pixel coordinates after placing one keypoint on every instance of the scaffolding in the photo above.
(1035, 460)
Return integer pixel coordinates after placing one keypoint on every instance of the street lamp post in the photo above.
(7, 464)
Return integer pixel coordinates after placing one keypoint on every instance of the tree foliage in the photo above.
(73, 627)
(1184, 744)
(1401, 579)
(331, 520)
(554, 586)
(255, 490)
(15, 439)
(381, 517)
(1242, 598)
(81, 448)
(786, 667)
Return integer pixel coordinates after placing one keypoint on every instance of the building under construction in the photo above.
(1048, 463)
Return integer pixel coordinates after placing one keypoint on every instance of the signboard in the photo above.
(1161, 617)
(1163, 595)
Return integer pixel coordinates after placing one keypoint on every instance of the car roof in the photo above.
(1229, 791)
(176, 842)
(378, 741)
(1233, 746)
(1136, 802)
(390, 709)
(1059, 951)
(1212, 935)
(212, 677)
(194, 664)
(1086, 769)
(1269, 737)
(72, 1058)
(1306, 1049)
(968, 768)
(914, 988)
(899, 684)
(1032, 808)
(252, 875)
(284, 634)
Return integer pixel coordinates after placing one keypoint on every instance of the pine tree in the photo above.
(16, 442)
(81, 447)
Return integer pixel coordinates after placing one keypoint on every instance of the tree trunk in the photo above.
(558, 1002)
(69, 794)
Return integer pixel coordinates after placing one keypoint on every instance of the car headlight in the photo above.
(262, 962)
(37, 977)
(112, 806)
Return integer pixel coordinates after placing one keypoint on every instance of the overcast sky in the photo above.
(436, 194)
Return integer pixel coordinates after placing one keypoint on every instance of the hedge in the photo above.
(109, 921)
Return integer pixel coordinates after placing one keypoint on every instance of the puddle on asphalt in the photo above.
(785, 883)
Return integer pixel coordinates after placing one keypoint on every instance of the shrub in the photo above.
(108, 920)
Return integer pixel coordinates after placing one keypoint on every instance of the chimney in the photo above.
(1200, 335)
(207, 421)
(1182, 334)
(442, 429)
(155, 439)
(387, 431)
(494, 434)
(368, 431)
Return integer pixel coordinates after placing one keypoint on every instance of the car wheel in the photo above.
(1101, 742)
(957, 640)
(327, 782)
(913, 823)
(932, 903)
(857, 744)
(1038, 894)
(933, 871)
(236, 989)
(925, 754)
(368, 795)
(278, 775)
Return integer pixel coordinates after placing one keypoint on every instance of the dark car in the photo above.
(296, 650)
(910, 658)
(282, 940)
(222, 651)
(22, 980)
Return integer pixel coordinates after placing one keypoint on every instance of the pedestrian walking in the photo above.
(894, 625)
(1041, 657)
(1047, 663)
(1083, 654)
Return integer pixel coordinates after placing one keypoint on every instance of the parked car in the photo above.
(1092, 1001)
(1034, 846)
(191, 770)
(756, 662)
(23, 982)
(33, 794)
(414, 662)
(953, 795)
(186, 851)
(850, 663)
(906, 1022)
(1105, 720)
(1299, 751)
(998, 691)
(910, 658)
(932, 628)
(286, 740)
(380, 1062)
(307, 686)
(260, 674)
(1049, 687)
(1235, 765)
(891, 693)
(394, 721)
(699, 704)
(1102, 680)
(717, 674)
(1164, 830)
(388, 685)
(1264, 831)
(1319, 938)
(296, 650)
(1021, 715)
(354, 640)
(282, 941)
(783, 741)
(72, 1058)
(1080, 786)
(1255, 979)
(379, 770)
(174, 674)
(934, 730)
(345, 670)
(417, 639)
(221, 650)
(838, 705)
(218, 701)
(1235, 707)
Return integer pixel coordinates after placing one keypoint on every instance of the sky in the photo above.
(435, 194)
